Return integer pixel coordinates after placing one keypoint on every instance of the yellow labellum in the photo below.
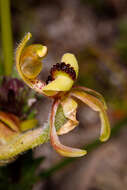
(61, 83)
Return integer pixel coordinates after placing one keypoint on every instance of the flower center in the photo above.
(62, 67)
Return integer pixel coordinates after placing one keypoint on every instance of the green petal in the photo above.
(28, 62)
(92, 92)
(96, 105)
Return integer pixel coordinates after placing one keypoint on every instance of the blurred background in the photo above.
(96, 32)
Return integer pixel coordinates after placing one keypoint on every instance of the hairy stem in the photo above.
(30, 139)
(24, 142)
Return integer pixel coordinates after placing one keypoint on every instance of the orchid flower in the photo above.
(59, 86)
(17, 135)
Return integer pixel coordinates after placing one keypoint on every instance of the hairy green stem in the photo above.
(29, 139)
(6, 35)
(24, 142)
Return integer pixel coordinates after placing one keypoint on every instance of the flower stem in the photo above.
(6, 31)
(29, 139)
